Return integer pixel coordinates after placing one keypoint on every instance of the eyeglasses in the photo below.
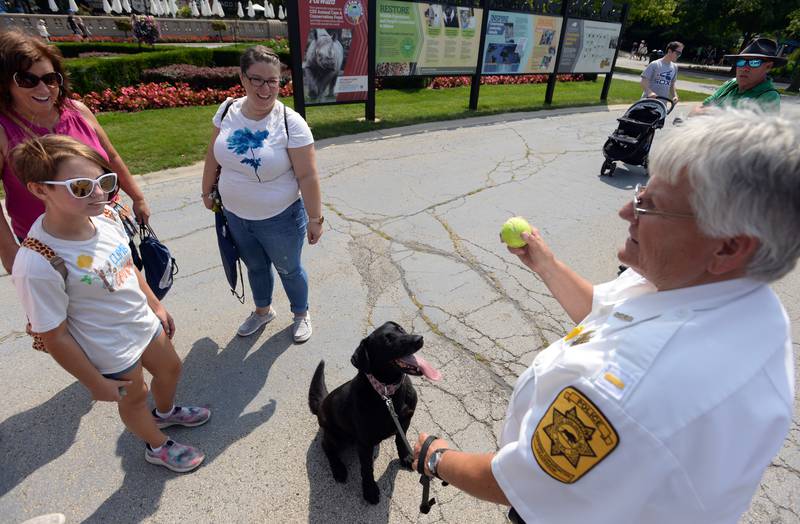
(752, 63)
(84, 187)
(677, 53)
(27, 80)
(638, 210)
(258, 82)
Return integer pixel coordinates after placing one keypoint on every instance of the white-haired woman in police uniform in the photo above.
(674, 391)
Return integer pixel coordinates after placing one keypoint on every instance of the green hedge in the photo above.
(74, 49)
(97, 74)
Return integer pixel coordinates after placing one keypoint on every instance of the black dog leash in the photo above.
(425, 505)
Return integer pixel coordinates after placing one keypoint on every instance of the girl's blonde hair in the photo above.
(38, 159)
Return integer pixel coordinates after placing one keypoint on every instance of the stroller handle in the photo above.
(671, 103)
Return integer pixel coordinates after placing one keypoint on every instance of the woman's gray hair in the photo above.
(258, 53)
(744, 169)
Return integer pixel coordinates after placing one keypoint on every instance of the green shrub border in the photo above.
(73, 49)
(97, 74)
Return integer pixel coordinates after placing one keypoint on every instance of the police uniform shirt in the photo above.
(660, 407)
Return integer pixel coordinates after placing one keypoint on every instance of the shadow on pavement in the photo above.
(625, 176)
(329, 501)
(29, 440)
(224, 379)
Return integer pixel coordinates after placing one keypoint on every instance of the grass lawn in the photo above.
(163, 138)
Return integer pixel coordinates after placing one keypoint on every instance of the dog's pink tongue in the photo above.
(429, 371)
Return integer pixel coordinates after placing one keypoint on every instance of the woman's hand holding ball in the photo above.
(525, 242)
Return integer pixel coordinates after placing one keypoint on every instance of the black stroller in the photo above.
(630, 142)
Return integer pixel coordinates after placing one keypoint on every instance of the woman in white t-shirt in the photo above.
(93, 309)
(269, 188)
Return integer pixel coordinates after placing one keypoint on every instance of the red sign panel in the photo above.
(333, 39)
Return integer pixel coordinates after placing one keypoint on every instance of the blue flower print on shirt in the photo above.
(242, 140)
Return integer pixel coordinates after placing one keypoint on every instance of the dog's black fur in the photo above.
(355, 413)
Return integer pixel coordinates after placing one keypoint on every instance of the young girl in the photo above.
(102, 322)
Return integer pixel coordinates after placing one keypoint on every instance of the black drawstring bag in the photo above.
(160, 267)
(131, 229)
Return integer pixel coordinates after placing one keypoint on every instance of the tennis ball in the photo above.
(511, 231)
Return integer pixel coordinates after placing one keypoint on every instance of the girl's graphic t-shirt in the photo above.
(106, 311)
(257, 181)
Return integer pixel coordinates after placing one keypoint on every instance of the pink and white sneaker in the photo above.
(176, 457)
(188, 416)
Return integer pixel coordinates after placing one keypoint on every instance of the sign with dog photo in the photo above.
(426, 39)
(333, 40)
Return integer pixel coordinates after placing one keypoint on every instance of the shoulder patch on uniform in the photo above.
(572, 437)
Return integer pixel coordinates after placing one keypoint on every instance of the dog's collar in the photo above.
(384, 390)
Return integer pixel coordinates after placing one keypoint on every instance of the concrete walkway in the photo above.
(412, 220)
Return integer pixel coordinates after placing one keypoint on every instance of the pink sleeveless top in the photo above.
(22, 206)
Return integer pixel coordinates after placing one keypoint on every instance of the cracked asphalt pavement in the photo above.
(412, 221)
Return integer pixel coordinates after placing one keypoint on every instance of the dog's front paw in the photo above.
(372, 493)
(339, 473)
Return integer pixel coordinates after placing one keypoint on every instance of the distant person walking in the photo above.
(642, 54)
(41, 28)
(73, 26)
(84, 32)
(660, 76)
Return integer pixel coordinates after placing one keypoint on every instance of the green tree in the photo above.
(794, 23)
(754, 17)
(656, 13)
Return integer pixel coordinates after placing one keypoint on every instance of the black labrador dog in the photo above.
(356, 412)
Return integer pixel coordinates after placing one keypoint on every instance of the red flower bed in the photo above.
(441, 82)
(155, 96)
(160, 96)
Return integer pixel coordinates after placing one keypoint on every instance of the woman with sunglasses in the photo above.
(752, 84)
(263, 154)
(35, 101)
(99, 319)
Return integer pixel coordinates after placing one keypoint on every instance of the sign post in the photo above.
(551, 81)
(297, 56)
(607, 81)
(475, 86)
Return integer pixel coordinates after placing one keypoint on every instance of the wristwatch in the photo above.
(433, 461)
(317, 220)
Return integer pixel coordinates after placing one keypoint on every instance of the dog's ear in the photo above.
(360, 358)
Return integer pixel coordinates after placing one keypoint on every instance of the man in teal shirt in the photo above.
(752, 84)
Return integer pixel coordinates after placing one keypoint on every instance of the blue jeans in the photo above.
(276, 241)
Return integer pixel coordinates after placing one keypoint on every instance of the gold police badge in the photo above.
(572, 437)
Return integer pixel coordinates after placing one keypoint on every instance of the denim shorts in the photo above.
(119, 374)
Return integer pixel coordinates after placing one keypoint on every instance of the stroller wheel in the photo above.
(608, 168)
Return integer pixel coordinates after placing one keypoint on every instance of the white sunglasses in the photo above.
(84, 187)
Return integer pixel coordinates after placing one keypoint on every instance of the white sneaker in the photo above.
(301, 330)
(254, 322)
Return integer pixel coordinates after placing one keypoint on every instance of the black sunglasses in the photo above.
(27, 80)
